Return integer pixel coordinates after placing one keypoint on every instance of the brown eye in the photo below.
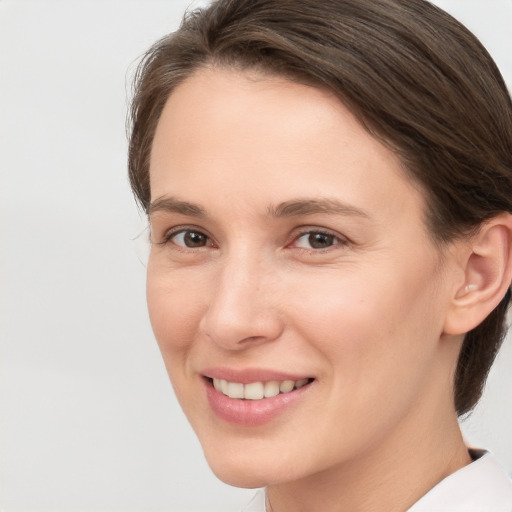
(190, 239)
(316, 240)
(321, 240)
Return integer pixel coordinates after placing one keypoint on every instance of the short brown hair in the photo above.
(416, 78)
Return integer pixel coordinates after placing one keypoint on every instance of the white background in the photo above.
(88, 421)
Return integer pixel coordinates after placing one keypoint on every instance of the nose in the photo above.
(242, 311)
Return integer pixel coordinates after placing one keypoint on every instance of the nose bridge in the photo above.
(241, 308)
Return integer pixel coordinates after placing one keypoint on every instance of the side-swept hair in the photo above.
(414, 77)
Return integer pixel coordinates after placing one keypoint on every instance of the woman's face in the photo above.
(289, 250)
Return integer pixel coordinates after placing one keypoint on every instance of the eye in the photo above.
(190, 239)
(316, 240)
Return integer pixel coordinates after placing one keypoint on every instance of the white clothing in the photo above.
(482, 486)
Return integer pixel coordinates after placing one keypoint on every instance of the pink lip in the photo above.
(250, 412)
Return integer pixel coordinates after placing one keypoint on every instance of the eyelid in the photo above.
(298, 233)
(172, 232)
(307, 230)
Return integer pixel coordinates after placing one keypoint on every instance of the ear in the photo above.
(487, 269)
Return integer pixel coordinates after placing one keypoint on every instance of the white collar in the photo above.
(482, 486)
(257, 504)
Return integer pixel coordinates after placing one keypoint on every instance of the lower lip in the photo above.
(251, 412)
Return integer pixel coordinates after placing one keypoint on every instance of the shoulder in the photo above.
(482, 486)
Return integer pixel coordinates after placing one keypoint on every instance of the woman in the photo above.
(329, 188)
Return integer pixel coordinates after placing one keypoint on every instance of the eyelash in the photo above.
(337, 240)
(168, 237)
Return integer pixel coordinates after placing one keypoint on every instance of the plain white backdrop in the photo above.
(88, 421)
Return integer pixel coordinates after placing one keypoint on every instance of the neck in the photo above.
(390, 478)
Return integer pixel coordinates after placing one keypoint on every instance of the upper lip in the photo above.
(248, 375)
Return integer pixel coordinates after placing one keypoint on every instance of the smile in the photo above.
(258, 399)
(257, 390)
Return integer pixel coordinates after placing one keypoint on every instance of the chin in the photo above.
(246, 477)
(242, 470)
(242, 479)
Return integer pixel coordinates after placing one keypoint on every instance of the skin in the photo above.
(364, 316)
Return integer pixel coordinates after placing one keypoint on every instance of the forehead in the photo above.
(242, 106)
(251, 134)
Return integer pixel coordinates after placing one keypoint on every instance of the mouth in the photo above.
(258, 390)
(254, 396)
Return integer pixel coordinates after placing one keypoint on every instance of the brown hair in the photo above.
(416, 78)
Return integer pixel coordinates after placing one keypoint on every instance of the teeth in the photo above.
(271, 389)
(235, 390)
(301, 383)
(257, 390)
(253, 391)
(286, 386)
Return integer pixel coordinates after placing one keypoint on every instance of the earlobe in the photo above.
(487, 275)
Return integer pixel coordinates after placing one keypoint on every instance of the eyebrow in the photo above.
(173, 205)
(292, 208)
(312, 206)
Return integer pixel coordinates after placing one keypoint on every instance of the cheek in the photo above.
(174, 305)
(370, 319)
(377, 343)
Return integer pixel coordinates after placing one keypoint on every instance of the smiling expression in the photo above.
(293, 288)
